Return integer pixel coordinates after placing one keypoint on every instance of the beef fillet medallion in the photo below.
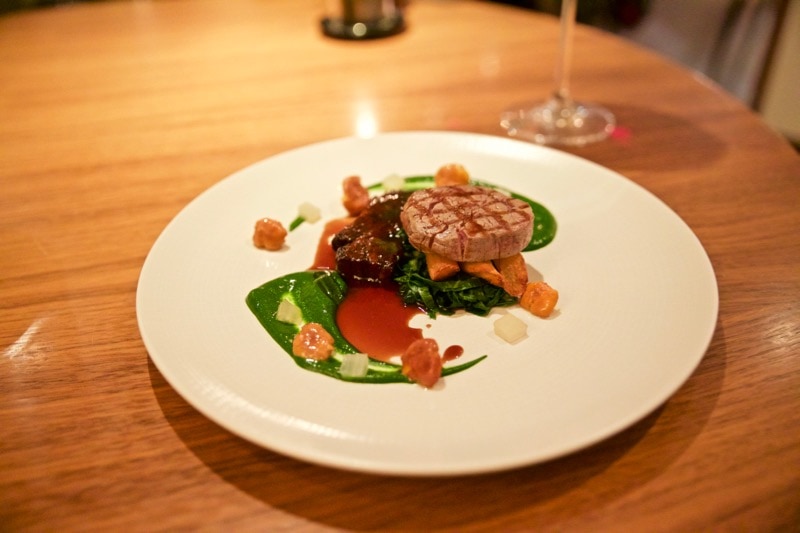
(467, 223)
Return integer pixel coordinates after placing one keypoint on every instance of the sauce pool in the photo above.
(325, 258)
(374, 319)
(376, 322)
(452, 352)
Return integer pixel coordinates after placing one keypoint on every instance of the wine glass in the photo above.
(560, 120)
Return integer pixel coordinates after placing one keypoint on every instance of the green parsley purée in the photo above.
(317, 294)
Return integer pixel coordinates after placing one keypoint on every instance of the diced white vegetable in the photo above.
(354, 365)
(393, 183)
(288, 312)
(510, 328)
(309, 212)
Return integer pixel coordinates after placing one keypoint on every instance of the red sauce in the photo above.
(325, 259)
(375, 321)
(452, 352)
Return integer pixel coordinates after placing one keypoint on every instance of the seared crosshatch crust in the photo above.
(467, 223)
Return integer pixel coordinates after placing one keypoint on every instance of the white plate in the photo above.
(638, 306)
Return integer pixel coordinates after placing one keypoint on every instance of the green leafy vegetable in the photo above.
(462, 291)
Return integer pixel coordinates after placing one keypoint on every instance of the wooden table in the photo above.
(114, 115)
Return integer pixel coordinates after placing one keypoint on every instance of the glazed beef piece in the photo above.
(368, 250)
(467, 223)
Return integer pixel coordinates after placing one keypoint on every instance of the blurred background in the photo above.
(751, 48)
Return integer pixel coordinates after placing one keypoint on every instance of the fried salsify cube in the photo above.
(269, 234)
(422, 362)
(313, 342)
(452, 174)
(355, 196)
(539, 298)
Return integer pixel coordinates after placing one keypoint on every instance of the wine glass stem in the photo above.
(564, 61)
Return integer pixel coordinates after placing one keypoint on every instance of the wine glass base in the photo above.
(556, 122)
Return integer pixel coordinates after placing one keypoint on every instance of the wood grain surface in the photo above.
(113, 116)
